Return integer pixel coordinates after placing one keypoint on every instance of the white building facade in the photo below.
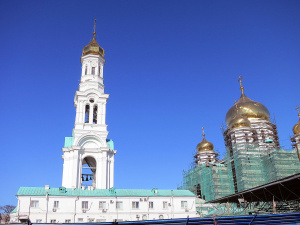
(54, 205)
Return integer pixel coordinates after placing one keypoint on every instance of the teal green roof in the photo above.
(41, 191)
(69, 142)
(15, 210)
(110, 144)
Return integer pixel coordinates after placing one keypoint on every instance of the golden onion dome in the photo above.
(204, 145)
(296, 128)
(247, 108)
(93, 47)
(239, 121)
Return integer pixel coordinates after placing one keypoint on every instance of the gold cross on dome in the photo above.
(240, 80)
(94, 33)
(297, 108)
(203, 134)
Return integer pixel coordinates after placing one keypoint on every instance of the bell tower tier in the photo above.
(88, 155)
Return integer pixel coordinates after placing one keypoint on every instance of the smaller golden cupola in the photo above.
(93, 47)
(238, 120)
(204, 145)
(296, 128)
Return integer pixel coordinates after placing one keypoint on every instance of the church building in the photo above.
(253, 153)
(87, 193)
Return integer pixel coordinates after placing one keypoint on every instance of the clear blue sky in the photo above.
(171, 67)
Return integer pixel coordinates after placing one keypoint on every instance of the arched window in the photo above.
(85, 72)
(198, 190)
(87, 113)
(95, 112)
(88, 173)
(93, 70)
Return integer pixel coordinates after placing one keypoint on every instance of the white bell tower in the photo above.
(88, 155)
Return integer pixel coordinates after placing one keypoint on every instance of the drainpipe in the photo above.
(29, 208)
(18, 216)
(116, 205)
(172, 206)
(76, 199)
(47, 203)
(148, 207)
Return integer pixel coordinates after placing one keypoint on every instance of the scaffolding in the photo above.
(209, 181)
(245, 166)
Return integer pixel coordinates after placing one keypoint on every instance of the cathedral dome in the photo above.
(205, 145)
(93, 48)
(239, 121)
(247, 108)
(296, 128)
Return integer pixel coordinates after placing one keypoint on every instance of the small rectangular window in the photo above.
(85, 72)
(34, 203)
(102, 205)
(52, 221)
(100, 220)
(85, 205)
(150, 205)
(165, 205)
(184, 204)
(119, 205)
(56, 204)
(38, 221)
(93, 70)
(67, 221)
(135, 205)
(80, 220)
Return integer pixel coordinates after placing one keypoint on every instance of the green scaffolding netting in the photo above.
(245, 166)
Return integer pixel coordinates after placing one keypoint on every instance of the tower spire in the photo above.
(94, 33)
(240, 80)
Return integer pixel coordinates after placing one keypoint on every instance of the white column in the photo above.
(77, 116)
(112, 161)
(103, 113)
(99, 113)
(101, 71)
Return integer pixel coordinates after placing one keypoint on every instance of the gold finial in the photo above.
(94, 33)
(203, 134)
(240, 80)
(297, 108)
